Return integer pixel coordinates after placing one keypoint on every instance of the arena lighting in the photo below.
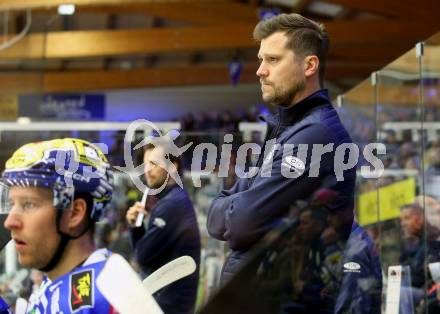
(24, 120)
(66, 9)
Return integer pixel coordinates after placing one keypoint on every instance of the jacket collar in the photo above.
(166, 190)
(289, 114)
(286, 115)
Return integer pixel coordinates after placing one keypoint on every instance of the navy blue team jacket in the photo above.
(244, 214)
(172, 232)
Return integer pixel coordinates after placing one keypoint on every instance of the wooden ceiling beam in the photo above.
(78, 44)
(397, 8)
(81, 81)
(196, 13)
(376, 31)
(52, 82)
(78, 81)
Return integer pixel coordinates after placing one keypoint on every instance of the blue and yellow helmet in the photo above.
(66, 166)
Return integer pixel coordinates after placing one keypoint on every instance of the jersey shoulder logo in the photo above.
(81, 290)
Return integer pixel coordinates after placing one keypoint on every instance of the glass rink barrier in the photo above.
(399, 107)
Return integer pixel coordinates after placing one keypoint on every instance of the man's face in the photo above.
(32, 225)
(155, 165)
(281, 72)
(411, 222)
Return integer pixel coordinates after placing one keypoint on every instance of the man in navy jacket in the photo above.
(172, 231)
(303, 143)
(306, 149)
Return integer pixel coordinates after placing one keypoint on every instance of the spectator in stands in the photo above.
(432, 209)
(421, 246)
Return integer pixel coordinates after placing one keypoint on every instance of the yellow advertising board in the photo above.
(385, 203)
(8, 107)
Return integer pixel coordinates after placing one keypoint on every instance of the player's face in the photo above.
(155, 167)
(32, 222)
(281, 75)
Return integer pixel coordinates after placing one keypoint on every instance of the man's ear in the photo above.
(311, 65)
(78, 214)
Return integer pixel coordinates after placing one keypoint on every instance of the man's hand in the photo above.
(133, 212)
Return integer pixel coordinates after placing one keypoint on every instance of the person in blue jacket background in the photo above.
(56, 190)
(172, 229)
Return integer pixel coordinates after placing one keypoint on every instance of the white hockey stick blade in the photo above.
(121, 286)
(169, 273)
(140, 217)
(20, 306)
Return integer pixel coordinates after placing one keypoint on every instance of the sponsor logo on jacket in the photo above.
(352, 267)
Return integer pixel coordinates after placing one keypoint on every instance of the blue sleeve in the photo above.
(164, 227)
(4, 307)
(136, 234)
(216, 215)
(244, 217)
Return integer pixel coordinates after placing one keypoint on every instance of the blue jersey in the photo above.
(4, 307)
(74, 292)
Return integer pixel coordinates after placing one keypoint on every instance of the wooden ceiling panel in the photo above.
(120, 79)
(79, 44)
(405, 9)
(76, 81)
(204, 33)
(195, 13)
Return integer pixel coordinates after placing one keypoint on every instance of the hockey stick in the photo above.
(140, 216)
(121, 286)
(169, 273)
(20, 306)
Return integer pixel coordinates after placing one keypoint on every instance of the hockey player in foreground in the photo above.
(56, 191)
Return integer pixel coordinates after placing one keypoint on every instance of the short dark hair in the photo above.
(305, 37)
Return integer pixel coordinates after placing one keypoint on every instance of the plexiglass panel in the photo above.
(429, 98)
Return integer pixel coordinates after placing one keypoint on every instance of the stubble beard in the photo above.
(156, 182)
(285, 98)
